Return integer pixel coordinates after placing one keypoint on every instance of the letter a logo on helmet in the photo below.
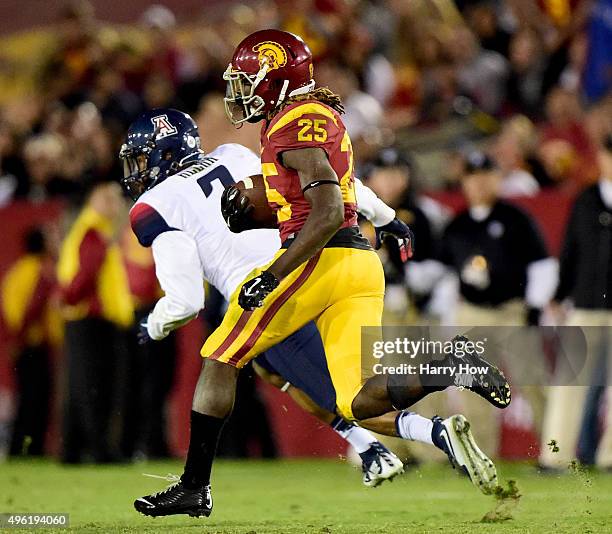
(163, 127)
(271, 54)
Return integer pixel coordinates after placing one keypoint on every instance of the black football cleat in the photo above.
(490, 385)
(177, 499)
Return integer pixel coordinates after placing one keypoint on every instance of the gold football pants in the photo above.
(341, 289)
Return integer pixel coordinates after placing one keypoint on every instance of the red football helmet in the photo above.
(267, 66)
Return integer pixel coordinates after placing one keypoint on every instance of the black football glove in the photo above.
(253, 292)
(235, 208)
(400, 231)
(142, 336)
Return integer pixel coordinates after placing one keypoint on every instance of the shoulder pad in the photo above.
(147, 223)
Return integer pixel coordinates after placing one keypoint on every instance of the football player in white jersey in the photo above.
(178, 188)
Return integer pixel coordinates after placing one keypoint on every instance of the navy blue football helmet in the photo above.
(159, 143)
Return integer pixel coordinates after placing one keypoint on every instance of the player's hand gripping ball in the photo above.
(244, 206)
(402, 233)
(253, 292)
(235, 209)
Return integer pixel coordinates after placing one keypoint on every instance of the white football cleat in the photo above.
(454, 437)
(379, 464)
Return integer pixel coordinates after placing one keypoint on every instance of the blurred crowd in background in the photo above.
(530, 76)
(497, 99)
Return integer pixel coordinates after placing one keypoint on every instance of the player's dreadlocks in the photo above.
(322, 94)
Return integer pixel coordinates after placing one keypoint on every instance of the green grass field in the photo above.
(321, 496)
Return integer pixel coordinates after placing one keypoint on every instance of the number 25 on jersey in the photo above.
(312, 129)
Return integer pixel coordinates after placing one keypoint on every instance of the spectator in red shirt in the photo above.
(27, 317)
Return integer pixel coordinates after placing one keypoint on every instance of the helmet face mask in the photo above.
(241, 102)
(138, 175)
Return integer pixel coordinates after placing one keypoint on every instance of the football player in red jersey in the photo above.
(325, 272)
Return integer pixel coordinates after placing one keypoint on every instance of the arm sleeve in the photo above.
(371, 207)
(444, 299)
(542, 280)
(179, 271)
(92, 252)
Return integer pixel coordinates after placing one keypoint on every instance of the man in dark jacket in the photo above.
(586, 281)
(504, 273)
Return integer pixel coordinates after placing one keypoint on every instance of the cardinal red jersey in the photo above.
(305, 124)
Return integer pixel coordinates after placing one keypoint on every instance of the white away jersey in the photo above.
(190, 201)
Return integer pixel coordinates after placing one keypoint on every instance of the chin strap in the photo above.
(303, 90)
(299, 91)
(283, 90)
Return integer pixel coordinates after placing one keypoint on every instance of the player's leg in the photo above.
(383, 392)
(213, 400)
(241, 336)
(305, 402)
(298, 366)
(402, 424)
(355, 303)
(299, 360)
(359, 438)
(452, 436)
(340, 327)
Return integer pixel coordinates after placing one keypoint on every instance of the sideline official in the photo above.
(505, 277)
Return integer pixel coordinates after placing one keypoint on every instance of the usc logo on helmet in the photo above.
(271, 54)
